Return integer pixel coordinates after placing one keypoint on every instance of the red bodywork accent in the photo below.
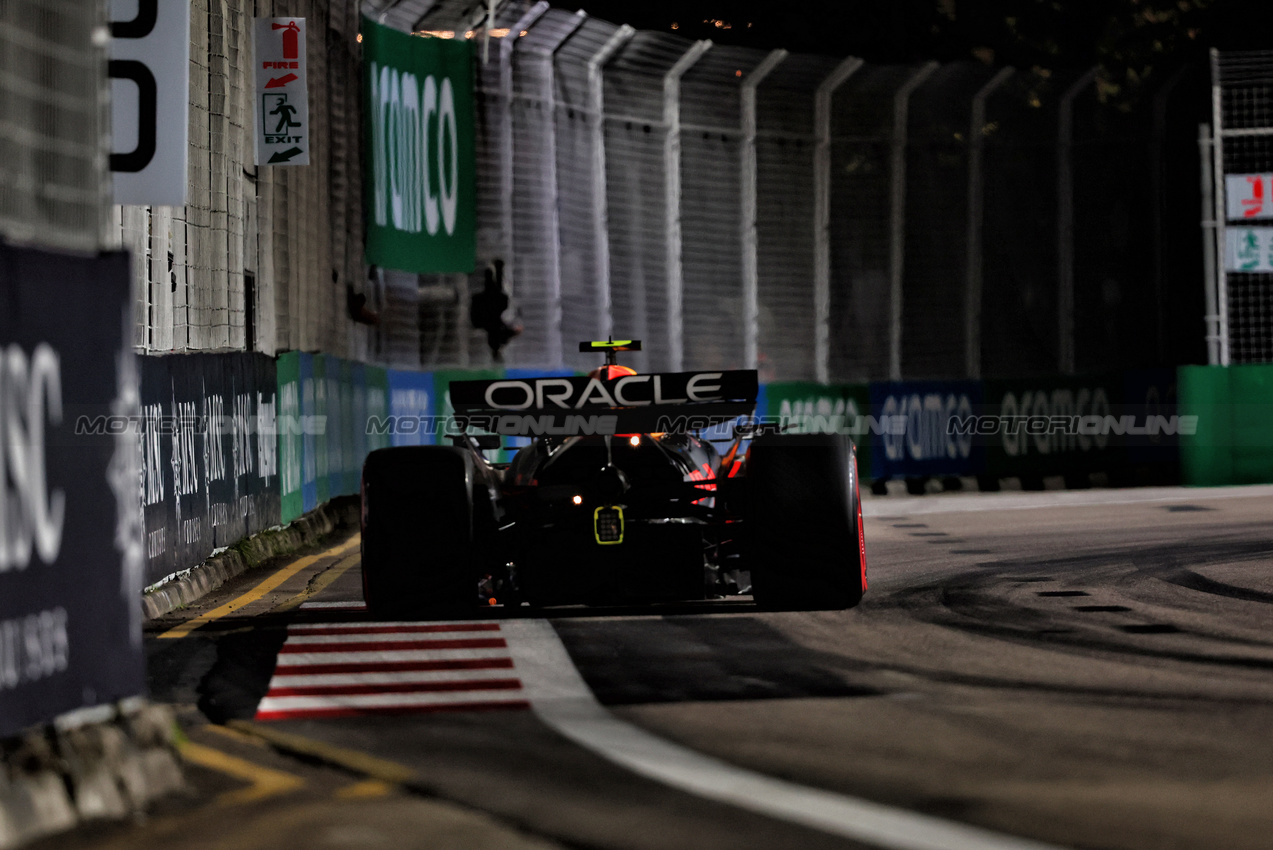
(611, 373)
(857, 497)
(703, 478)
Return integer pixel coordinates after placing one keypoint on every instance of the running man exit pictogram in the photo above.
(283, 110)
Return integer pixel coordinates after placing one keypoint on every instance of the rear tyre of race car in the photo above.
(803, 523)
(417, 532)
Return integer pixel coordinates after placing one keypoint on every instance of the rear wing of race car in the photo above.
(631, 404)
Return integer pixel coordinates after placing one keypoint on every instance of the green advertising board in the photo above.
(289, 435)
(421, 151)
(810, 408)
(1233, 441)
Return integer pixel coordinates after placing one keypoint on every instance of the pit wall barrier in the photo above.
(903, 430)
(1234, 441)
(71, 560)
(209, 470)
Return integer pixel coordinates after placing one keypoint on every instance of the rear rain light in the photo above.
(607, 523)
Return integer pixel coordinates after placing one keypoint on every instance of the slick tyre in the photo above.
(417, 532)
(803, 525)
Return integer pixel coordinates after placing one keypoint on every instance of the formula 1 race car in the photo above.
(618, 499)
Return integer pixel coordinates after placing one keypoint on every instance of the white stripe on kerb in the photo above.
(311, 703)
(296, 659)
(561, 699)
(422, 638)
(448, 625)
(410, 677)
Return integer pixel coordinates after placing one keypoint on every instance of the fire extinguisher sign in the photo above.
(282, 95)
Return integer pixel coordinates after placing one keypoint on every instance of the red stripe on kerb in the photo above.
(398, 688)
(346, 711)
(398, 666)
(401, 630)
(394, 645)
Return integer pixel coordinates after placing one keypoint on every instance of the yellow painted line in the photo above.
(366, 789)
(266, 782)
(234, 735)
(352, 760)
(321, 583)
(257, 592)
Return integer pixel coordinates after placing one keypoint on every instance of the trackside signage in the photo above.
(71, 546)
(282, 94)
(149, 69)
(420, 139)
(583, 393)
(676, 402)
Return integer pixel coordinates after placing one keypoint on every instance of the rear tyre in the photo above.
(803, 525)
(417, 532)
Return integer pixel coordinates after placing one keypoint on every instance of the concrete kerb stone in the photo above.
(111, 762)
(57, 776)
(247, 554)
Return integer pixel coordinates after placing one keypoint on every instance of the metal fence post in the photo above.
(506, 135)
(750, 239)
(672, 171)
(596, 102)
(1065, 225)
(976, 220)
(897, 215)
(822, 214)
(1209, 225)
(549, 95)
(1220, 214)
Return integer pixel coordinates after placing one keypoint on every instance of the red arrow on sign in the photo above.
(281, 81)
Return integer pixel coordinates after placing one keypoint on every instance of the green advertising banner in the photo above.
(1233, 441)
(810, 408)
(326, 384)
(421, 160)
(289, 435)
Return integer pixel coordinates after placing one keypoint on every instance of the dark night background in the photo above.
(1136, 42)
(1138, 245)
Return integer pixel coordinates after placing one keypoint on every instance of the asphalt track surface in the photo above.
(1089, 669)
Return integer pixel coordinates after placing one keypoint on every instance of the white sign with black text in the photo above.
(281, 103)
(150, 95)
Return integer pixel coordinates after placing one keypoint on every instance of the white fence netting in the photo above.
(808, 216)
(53, 140)
(1243, 156)
(630, 188)
(261, 258)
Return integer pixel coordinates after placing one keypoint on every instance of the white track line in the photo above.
(561, 699)
(903, 506)
(351, 605)
(406, 700)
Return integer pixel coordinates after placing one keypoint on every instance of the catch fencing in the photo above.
(258, 259)
(1240, 289)
(53, 188)
(815, 217)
